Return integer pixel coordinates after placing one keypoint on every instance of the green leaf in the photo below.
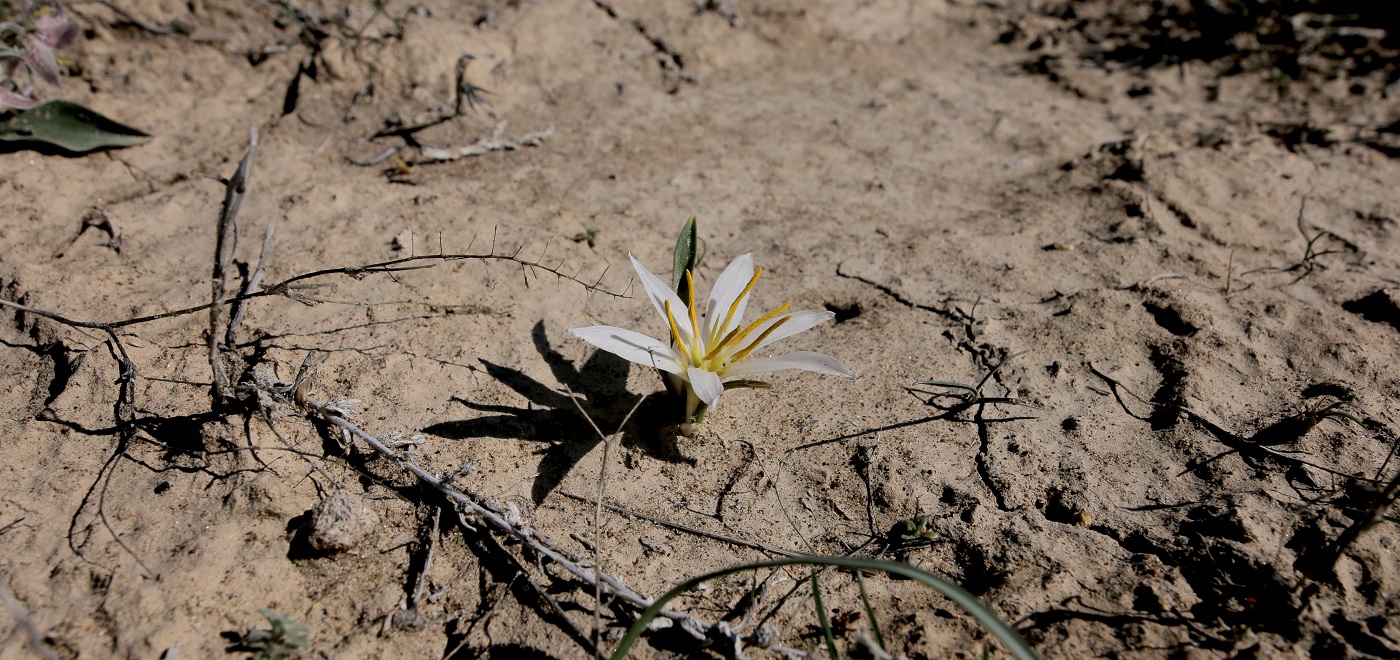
(969, 603)
(685, 258)
(821, 618)
(67, 125)
(746, 384)
(870, 612)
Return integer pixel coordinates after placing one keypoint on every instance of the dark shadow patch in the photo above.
(64, 364)
(1169, 398)
(844, 311)
(979, 574)
(1380, 306)
(180, 435)
(551, 417)
(299, 538)
(1032, 625)
(1170, 319)
(1208, 522)
(1060, 508)
(1359, 639)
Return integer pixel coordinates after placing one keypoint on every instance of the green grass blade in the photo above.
(971, 396)
(1340, 414)
(822, 620)
(870, 612)
(994, 370)
(989, 620)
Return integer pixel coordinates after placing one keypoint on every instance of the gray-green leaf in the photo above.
(685, 258)
(67, 125)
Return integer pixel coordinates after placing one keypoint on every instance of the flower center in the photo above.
(726, 350)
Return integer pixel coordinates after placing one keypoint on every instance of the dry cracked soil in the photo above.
(1184, 213)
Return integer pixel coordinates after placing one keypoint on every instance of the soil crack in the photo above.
(983, 468)
(889, 291)
(670, 59)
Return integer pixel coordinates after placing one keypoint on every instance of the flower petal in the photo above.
(40, 58)
(728, 287)
(631, 346)
(56, 31)
(804, 360)
(9, 99)
(659, 293)
(798, 322)
(705, 383)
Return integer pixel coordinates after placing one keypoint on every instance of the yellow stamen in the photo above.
(734, 306)
(694, 325)
(676, 332)
(733, 339)
(724, 342)
(745, 353)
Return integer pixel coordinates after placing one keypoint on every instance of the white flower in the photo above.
(711, 344)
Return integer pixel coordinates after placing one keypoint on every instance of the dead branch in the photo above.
(597, 543)
(503, 518)
(285, 288)
(497, 142)
(240, 306)
(236, 187)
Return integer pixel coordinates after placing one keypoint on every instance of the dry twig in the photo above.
(502, 518)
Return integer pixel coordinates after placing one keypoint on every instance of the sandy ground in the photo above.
(1193, 237)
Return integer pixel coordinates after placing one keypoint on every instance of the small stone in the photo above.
(341, 522)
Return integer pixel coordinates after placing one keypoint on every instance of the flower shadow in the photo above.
(551, 418)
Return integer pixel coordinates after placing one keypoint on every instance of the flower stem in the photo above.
(695, 410)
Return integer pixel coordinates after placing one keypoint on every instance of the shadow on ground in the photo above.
(550, 417)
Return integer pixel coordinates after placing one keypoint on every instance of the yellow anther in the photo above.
(694, 324)
(676, 332)
(721, 344)
(736, 339)
(734, 306)
(745, 353)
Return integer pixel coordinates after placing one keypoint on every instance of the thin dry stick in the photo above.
(32, 634)
(236, 187)
(240, 306)
(539, 590)
(484, 616)
(267, 419)
(286, 288)
(743, 543)
(598, 509)
(427, 561)
(494, 514)
(1229, 272)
